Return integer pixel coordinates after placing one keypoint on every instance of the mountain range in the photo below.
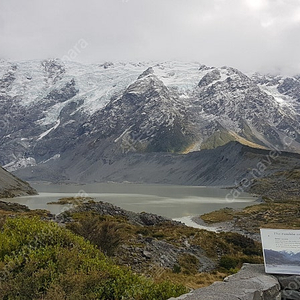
(273, 257)
(74, 122)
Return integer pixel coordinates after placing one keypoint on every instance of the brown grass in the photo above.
(222, 215)
(192, 281)
(265, 215)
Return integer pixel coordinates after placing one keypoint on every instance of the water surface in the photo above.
(173, 201)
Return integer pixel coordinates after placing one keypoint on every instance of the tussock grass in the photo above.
(222, 215)
(193, 281)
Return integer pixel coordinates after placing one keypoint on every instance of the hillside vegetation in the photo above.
(88, 255)
(40, 260)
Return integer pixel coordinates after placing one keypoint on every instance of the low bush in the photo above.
(40, 260)
(229, 262)
(103, 233)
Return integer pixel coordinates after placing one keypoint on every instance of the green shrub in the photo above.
(2, 221)
(40, 260)
(239, 240)
(243, 243)
(176, 269)
(228, 262)
(103, 233)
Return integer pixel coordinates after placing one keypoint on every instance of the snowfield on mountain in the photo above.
(56, 113)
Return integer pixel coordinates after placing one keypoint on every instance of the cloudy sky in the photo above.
(252, 35)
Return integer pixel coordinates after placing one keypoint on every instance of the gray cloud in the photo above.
(252, 35)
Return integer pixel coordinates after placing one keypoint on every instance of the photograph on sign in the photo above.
(281, 250)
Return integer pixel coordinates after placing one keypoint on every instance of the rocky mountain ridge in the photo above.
(74, 116)
(11, 186)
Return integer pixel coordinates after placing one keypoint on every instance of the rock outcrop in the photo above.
(290, 285)
(108, 209)
(251, 283)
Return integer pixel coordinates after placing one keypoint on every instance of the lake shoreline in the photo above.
(228, 226)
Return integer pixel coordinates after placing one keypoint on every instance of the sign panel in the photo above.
(281, 249)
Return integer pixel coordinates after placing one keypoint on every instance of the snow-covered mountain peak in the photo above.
(145, 82)
(50, 106)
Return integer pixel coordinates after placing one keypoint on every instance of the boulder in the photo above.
(250, 283)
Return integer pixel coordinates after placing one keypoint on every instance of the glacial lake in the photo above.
(172, 201)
